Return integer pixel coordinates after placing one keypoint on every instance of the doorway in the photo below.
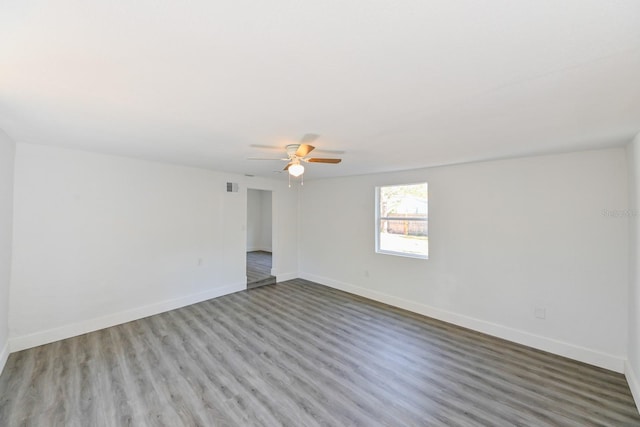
(259, 238)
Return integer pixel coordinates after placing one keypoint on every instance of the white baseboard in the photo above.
(634, 382)
(90, 325)
(582, 354)
(4, 355)
(283, 277)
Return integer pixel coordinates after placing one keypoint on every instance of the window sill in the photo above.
(402, 254)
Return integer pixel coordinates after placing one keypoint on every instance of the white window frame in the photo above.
(378, 220)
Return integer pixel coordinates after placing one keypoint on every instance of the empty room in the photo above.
(356, 213)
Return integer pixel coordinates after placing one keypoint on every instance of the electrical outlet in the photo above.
(366, 273)
(199, 262)
(540, 313)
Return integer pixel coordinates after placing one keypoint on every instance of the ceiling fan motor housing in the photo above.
(292, 148)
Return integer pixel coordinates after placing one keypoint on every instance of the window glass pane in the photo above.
(402, 220)
(404, 201)
(406, 228)
(409, 237)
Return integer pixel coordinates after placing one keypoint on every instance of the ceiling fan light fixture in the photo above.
(296, 170)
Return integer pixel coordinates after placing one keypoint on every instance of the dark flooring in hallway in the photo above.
(259, 264)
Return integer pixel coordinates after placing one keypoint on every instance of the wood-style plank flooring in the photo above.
(259, 269)
(301, 354)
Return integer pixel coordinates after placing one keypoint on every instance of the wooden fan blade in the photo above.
(264, 158)
(309, 137)
(320, 160)
(287, 167)
(304, 149)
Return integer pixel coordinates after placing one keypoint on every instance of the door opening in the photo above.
(259, 238)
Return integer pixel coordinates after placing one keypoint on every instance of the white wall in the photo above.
(632, 369)
(505, 237)
(254, 223)
(7, 154)
(266, 218)
(99, 240)
(259, 220)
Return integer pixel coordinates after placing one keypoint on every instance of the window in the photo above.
(402, 221)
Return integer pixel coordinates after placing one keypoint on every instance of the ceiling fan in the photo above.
(298, 154)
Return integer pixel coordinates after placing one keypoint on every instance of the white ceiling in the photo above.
(397, 84)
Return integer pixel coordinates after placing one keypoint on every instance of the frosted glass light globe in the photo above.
(296, 170)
